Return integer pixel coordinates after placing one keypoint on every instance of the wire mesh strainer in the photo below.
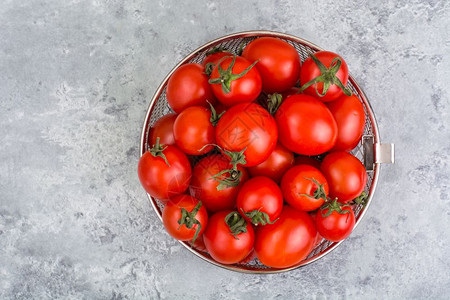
(370, 151)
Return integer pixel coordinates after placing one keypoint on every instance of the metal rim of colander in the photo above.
(362, 97)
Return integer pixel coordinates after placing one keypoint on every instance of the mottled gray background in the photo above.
(76, 78)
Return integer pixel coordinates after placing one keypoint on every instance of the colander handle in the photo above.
(376, 153)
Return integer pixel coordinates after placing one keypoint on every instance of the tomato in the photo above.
(334, 76)
(305, 125)
(212, 59)
(164, 171)
(278, 162)
(205, 188)
(184, 218)
(260, 200)
(345, 175)
(223, 244)
(350, 118)
(278, 63)
(234, 80)
(163, 128)
(188, 86)
(335, 221)
(307, 160)
(304, 187)
(248, 126)
(286, 242)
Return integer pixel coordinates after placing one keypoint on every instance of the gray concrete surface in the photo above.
(75, 81)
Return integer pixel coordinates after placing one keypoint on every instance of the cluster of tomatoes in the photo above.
(249, 164)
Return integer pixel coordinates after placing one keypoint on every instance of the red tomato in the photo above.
(260, 200)
(193, 130)
(310, 70)
(205, 188)
(279, 161)
(223, 244)
(212, 59)
(164, 171)
(248, 126)
(278, 63)
(307, 160)
(184, 217)
(163, 128)
(349, 114)
(234, 80)
(286, 242)
(345, 175)
(305, 125)
(304, 187)
(335, 222)
(188, 86)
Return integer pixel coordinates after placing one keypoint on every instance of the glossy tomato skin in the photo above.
(296, 182)
(172, 213)
(250, 126)
(336, 226)
(244, 89)
(307, 160)
(305, 125)
(204, 188)
(222, 245)
(278, 63)
(278, 162)
(260, 193)
(193, 130)
(310, 71)
(163, 128)
(350, 118)
(188, 86)
(345, 174)
(286, 242)
(160, 180)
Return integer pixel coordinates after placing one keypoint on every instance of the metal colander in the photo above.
(370, 151)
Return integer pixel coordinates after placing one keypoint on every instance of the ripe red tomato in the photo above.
(345, 174)
(225, 245)
(307, 160)
(193, 130)
(279, 161)
(305, 125)
(260, 200)
(247, 126)
(164, 171)
(212, 59)
(334, 221)
(234, 80)
(350, 118)
(188, 86)
(163, 128)
(278, 63)
(205, 188)
(184, 218)
(286, 242)
(304, 187)
(335, 78)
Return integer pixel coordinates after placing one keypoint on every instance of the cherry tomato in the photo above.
(164, 171)
(223, 244)
(304, 187)
(205, 188)
(350, 118)
(184, 217)
(212, 59)
(305, 125)
(278, 63)
(335, 222)
(311, 70)
(188, 86)
(163, 128)
(248, 126)
(307, 160)
(286, 242)
(260, 200)
(345, 175)
(234, 80)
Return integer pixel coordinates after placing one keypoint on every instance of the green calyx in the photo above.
(226, 76)
(188, 219)
(214, 116)
(236, 223)
(319, 192)
(157, 150)
(258, 217)
(333, 205)
(361, 199)
(274, 102)
(328, 77)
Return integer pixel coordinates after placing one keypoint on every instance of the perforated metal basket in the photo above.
(370, 150)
